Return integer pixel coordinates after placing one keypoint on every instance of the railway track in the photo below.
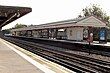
(74, 62)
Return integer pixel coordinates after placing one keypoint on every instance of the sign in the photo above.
(102, 35)
(85, 33)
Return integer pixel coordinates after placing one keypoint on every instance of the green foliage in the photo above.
(19, 26)
(97, 11)
(6, 31)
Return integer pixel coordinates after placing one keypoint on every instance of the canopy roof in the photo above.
(89, 21)
(11, 13)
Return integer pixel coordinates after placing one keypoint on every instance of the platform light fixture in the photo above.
(18, 14)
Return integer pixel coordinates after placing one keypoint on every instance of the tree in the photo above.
(8, 31)
(19, 26)
(97, 11)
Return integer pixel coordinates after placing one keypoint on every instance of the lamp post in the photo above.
(90, 37)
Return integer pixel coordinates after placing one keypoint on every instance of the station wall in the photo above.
(75, 33)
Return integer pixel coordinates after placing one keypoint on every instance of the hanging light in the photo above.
(18, 14)
(5, 14)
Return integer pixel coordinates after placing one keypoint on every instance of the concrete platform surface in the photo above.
(14, 59)
(11, 62)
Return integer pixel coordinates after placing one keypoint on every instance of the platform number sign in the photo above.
(102, 34)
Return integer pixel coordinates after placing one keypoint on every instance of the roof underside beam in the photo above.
(8, 20)
(11, 13)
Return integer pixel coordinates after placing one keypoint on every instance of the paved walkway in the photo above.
(11, 62)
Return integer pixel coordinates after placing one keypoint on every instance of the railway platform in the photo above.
(13, 60)
(85, 42)
(93, 43)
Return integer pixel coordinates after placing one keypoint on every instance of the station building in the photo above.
(73, 29)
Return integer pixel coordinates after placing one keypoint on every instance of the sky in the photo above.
(45, 11)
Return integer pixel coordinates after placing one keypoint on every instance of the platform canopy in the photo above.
(11, 13)
(89, 21)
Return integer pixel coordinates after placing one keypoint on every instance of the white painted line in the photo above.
(35, 63)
